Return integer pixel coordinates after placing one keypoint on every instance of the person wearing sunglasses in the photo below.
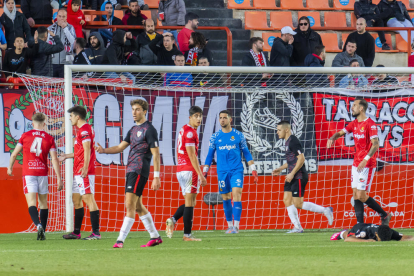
(304, 42)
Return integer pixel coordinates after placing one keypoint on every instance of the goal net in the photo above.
(317, 103)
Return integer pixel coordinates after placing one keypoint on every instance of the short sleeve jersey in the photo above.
(141, 138)
(85, 134)
(36, 146)
(363, 133)
(293, 150)
(186, 138)
(368, 231)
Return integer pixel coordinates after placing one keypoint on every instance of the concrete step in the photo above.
(204, 4)
(212, 12)
(228, 22)
(237, 34)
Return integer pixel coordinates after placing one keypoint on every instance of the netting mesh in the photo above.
(317, 106)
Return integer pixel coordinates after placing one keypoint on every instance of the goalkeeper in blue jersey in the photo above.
(229, 144)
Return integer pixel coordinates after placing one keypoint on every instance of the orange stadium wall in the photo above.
(263, 208)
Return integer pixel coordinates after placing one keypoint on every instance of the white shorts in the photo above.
(83, 186)
(189, 182)
(35, 184)
(362, 181)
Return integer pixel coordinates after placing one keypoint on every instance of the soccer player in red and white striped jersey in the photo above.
(36, 145)
(84, 174)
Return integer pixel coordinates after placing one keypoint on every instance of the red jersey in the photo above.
(363, 133)
(188, 137)
(85, 134)
(36, 146)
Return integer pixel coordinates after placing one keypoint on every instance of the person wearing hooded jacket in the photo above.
(316, 59)
(144, 53)
(15, 24)
(134, 17)
(305, 40)
(395, 14)
(112, 20)
(371, 14)
(76, 18)
(96, 50)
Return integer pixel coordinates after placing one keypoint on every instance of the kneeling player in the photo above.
(229, 144)
(83, 188)
(365, 232)
(143, 139)
(296, 180)
(36, 145)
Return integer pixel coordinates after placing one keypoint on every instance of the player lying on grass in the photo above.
(143, 139)
(83, 188)
(229, 144)
(296, 180)
(365, 232)
(36, 145)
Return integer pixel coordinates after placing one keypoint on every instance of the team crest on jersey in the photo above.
(361, 180)
(189, 134)
(362, 129)
(232, 138)
(219, 141)
(139, 133)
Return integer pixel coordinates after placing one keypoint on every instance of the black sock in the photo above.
(188, 220)
(44, 213)
(179, 213)
(375, 206)
(79, 213)
(34, 215)
(95, 221)
(359, 211)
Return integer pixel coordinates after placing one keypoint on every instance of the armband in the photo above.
(367, 157)
(205, 169)
(156, 174)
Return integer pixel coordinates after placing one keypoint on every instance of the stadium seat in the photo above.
(278, 20)
(378, 44)
(400, 43)
(239, 4)
(254, 20)
(119, 14)
(152, 4)
(268, 40)
(314, 18)
(335, 19)
(265, 4)
(147, 13)
(345, 5)
(353, 20)
(292, 5)
(1, 11)
(407, 5)
(330, 41)
(376, 2)
(318, 5)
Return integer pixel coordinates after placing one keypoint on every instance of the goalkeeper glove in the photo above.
(254, 173)
(205, 172)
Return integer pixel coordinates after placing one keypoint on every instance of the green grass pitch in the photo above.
(247, 253)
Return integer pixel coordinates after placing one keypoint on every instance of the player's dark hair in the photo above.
(362, 103)
(81, 42)
(318, 49)
(199, 39)
(38, 117)
(140, 102)
(190, 16)
(253, 40)
(226, 112)
(78, 111)
(195, 109)
(42, 31)
(384, 232)
(352, 61)
(284, 123)
(76, 2)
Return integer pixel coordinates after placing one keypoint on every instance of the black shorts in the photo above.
(135, 183)
(297, 187)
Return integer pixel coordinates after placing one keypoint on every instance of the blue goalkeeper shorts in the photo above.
(229, 180)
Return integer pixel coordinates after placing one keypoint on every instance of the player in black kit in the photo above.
(366, 232)
(143, 139)
(296, 179)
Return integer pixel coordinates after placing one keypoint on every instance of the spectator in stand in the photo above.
(384, 79)
(141, 5)
(76, 18)
(112, 20)
(37, 12)
(282, 48)
(370, 12)
(144, 53)
(395, 14)
(134, 17)
(16, 60)
(197, 49)
(207, 79)
(3, 41)
(172, 13)
(96, 50)
(364, 41)
(343, 59)
(304, 42)
(41, 64)
(79, 49)
(130, 58)
(256, 56)
(15, 24)
(166, 52)
(353, 80)
(114, 54)
(191, 24)
(67, 34)
(178, 79)
(317, 58)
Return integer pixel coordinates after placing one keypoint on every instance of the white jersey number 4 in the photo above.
(36, 146)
